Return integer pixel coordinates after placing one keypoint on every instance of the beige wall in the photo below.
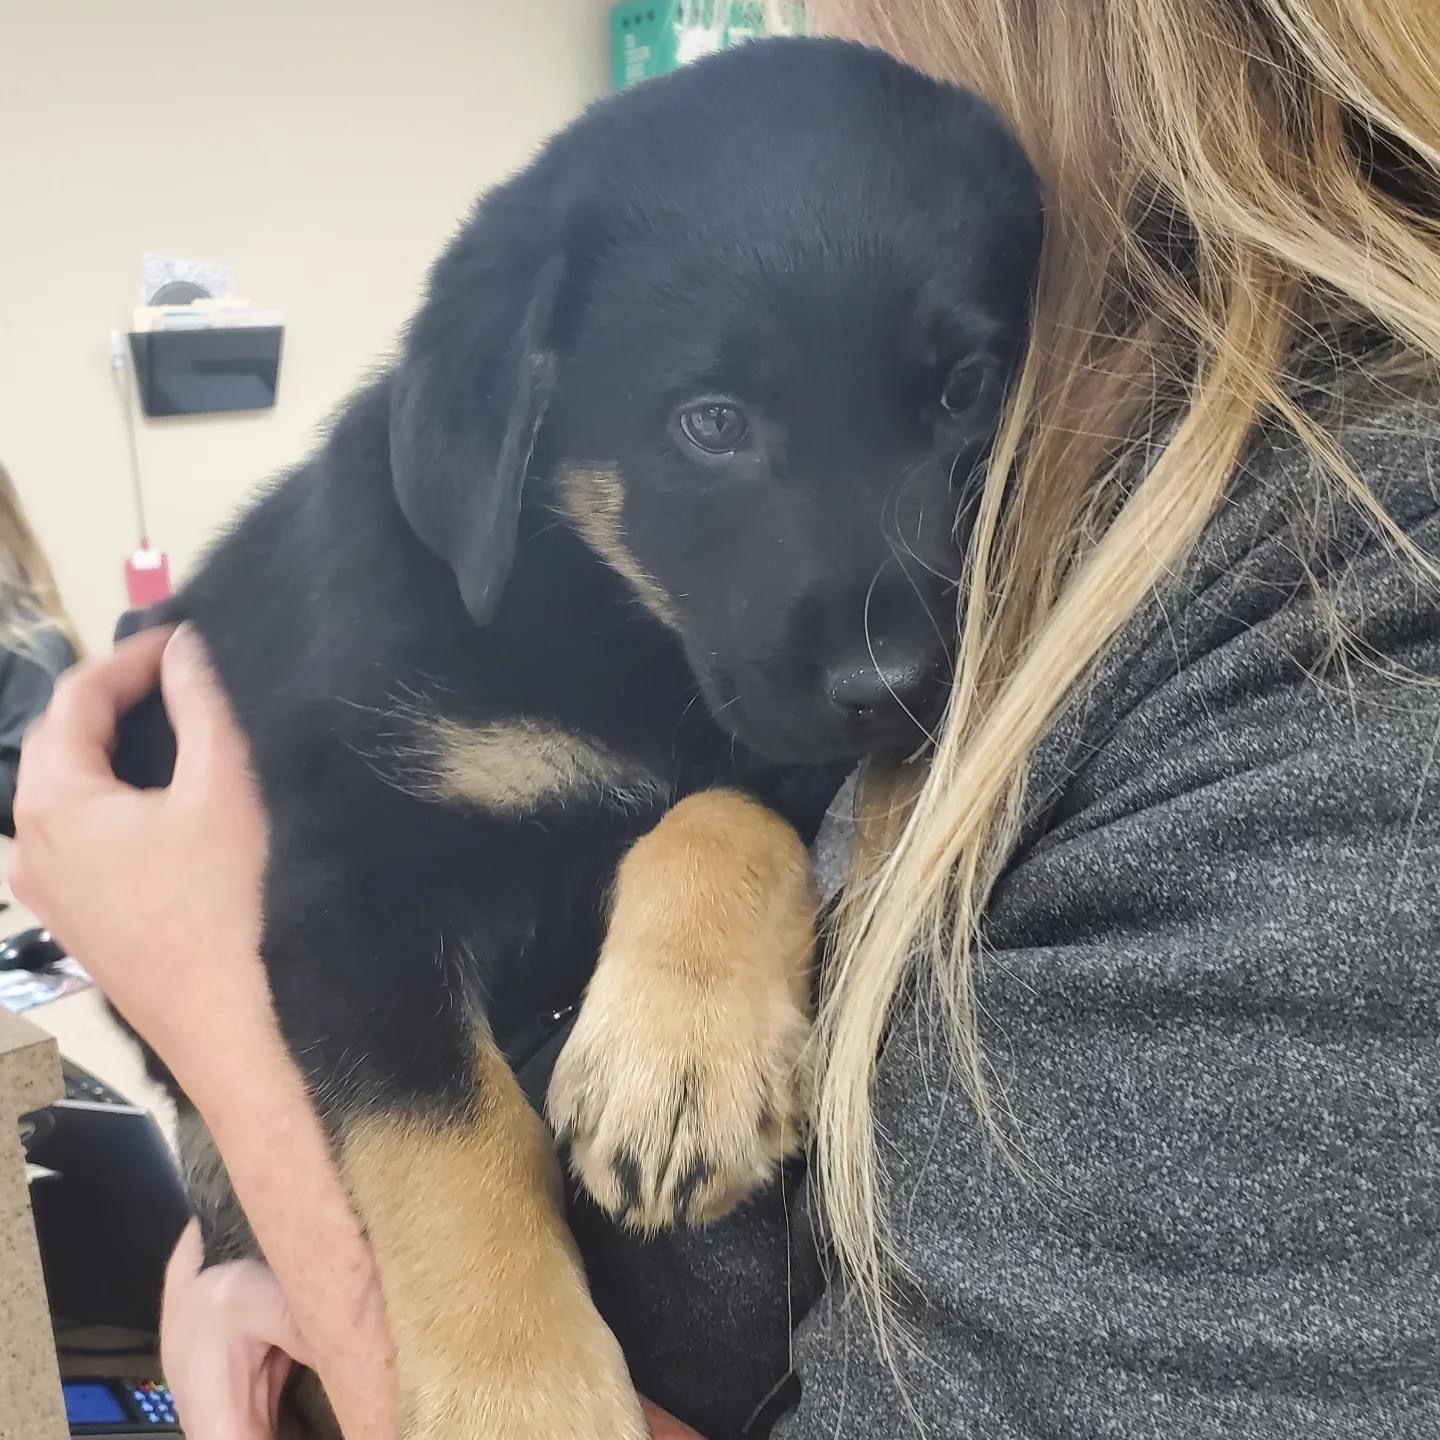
(324, 148)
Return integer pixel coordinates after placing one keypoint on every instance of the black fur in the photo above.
(807, 229)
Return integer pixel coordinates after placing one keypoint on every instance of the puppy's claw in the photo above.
(661, 1137)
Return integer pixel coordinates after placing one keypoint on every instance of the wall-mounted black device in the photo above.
(202, 370)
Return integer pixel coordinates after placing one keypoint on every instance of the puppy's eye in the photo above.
(965, 387)
(716, 427)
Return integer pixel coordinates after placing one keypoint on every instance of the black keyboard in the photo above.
(80, 1084)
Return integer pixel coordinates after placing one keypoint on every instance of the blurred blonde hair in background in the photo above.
(29, 599)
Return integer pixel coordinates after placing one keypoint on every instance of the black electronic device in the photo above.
(81, 1085)
(101, 1406)
(34, 949)
(204, 370)
(112, 1209)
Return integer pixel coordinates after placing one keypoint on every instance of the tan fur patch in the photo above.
(684, 1082)
(513, 766)
(594, 500)
(495, 1333)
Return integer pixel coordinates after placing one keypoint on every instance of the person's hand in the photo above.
(157, 893)
(227, 1342)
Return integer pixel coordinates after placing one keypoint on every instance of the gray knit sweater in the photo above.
(1212, 1002)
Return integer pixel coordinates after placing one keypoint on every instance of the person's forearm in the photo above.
(159, 892)
(284, 1175)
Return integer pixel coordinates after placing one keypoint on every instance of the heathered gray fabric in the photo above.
(26, 680)
(1212, 1003)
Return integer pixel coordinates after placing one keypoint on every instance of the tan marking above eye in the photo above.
(592, 499)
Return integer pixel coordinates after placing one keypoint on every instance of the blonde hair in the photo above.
(1212, 214)
(29, 599)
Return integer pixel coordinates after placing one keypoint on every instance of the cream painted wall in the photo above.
(324, 148)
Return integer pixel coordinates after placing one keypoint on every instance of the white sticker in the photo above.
(157, 271)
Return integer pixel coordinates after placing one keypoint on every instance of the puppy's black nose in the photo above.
(893, 682)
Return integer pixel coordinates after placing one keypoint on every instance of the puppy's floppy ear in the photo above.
(470, 390)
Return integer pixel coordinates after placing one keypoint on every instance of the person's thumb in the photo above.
(206, 737)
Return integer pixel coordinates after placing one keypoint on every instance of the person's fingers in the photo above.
(664, 1426)
(226, 1340)
(212, 1393)
(247, 1298)
(220, 1399)
(206, 737)
(273, 1375)
(180, 1272)
(73, 740)
(265, 1312)
(187, 1256)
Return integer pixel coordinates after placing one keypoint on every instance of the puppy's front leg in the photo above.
(684, 1082)
(495, 1332)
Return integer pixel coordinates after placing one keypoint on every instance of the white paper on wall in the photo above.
(157, 271)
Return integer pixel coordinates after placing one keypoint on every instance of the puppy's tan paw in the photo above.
(676, 1104)
(685, 1080)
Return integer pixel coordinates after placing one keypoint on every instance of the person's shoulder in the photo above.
(48, 647)
(1299, 525)
(45, 645)
(1388, 435)
(1299, 571)
(32, 657)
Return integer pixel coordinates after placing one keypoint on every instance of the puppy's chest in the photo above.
(525, 819)
(524, 766)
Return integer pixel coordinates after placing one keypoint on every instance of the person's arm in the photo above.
(158, 894)
(280, 1163)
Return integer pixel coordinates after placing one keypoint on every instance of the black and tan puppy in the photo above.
(655, 513)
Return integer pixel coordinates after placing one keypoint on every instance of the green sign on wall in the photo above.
(653, 39)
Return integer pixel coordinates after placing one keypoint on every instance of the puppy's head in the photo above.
(749, 330)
